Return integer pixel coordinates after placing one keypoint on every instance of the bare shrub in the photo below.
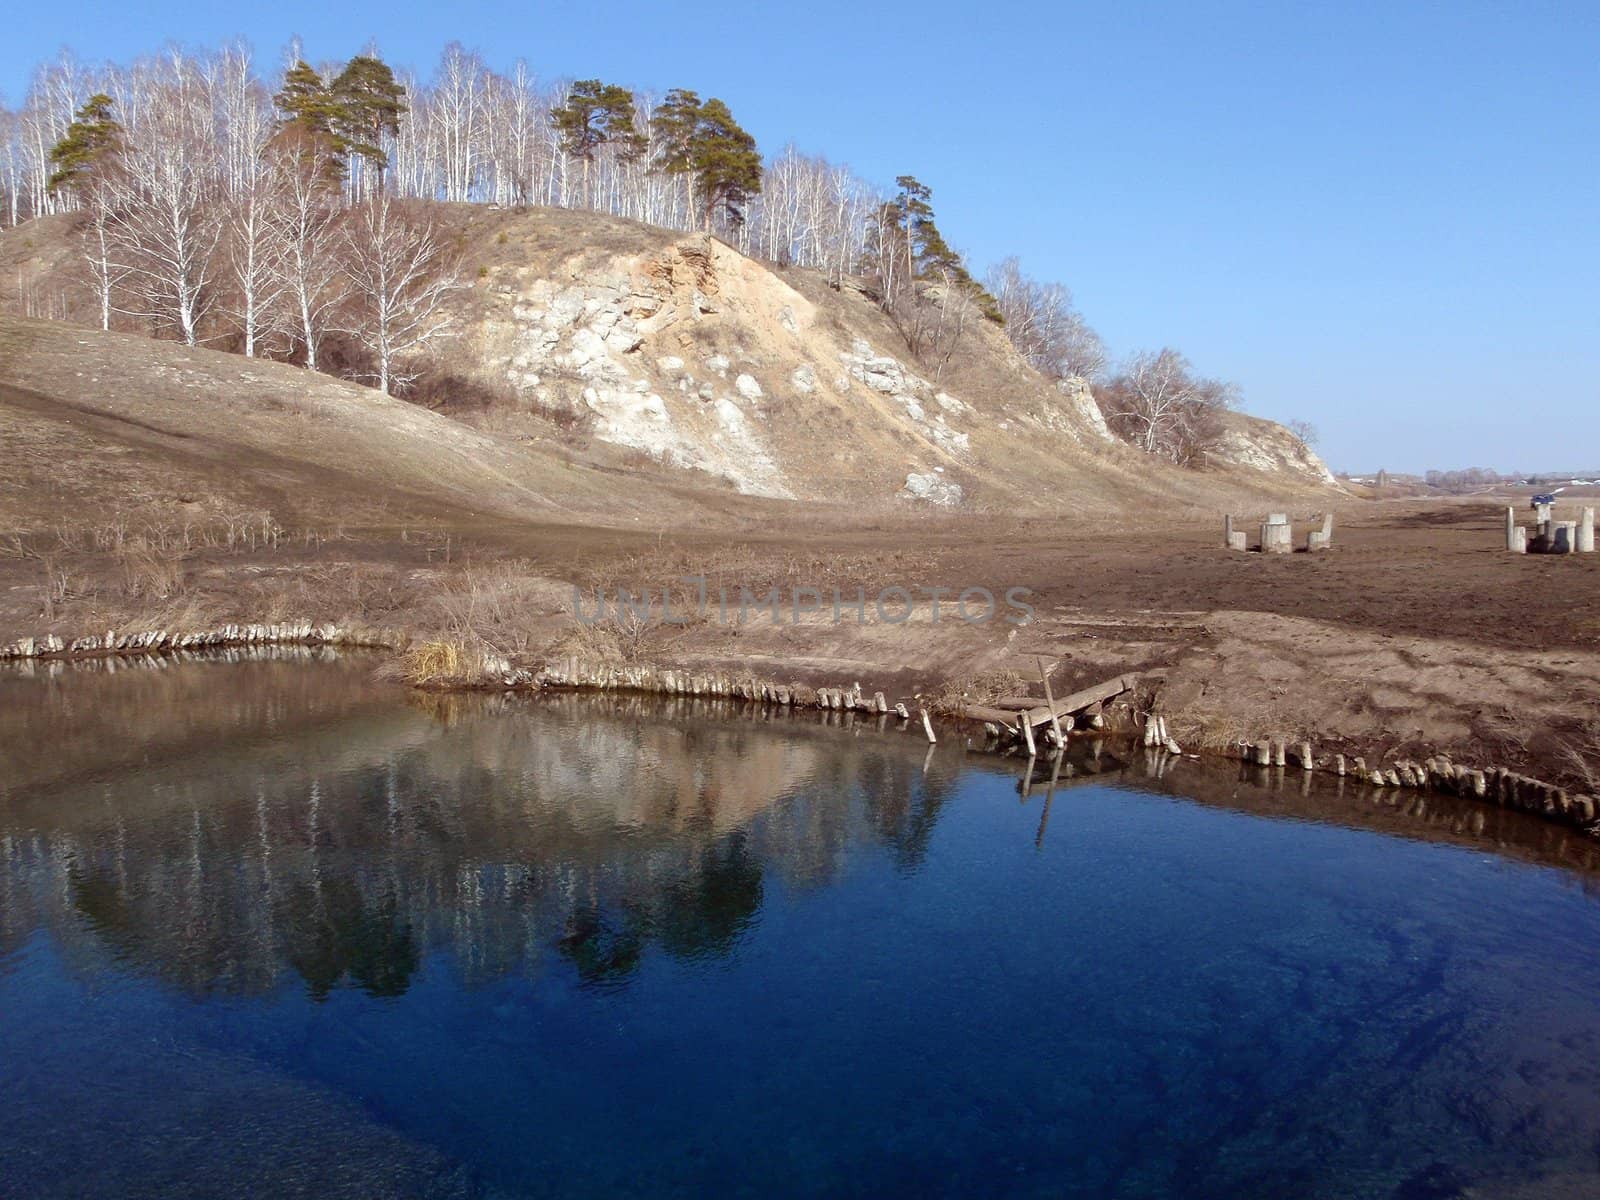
(1583, 757)
(1160, 405)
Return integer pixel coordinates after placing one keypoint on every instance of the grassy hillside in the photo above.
(583, 342)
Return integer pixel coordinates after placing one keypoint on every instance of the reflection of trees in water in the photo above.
(517, 838)
(332, 932)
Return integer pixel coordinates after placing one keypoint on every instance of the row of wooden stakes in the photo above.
(1495, 785)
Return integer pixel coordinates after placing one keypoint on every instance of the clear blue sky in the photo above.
(1381, 217)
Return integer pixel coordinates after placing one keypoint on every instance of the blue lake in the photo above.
(271, 929)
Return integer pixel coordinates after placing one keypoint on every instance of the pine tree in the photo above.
(91, 141)
(305, 101)
(673, 124)
(367, 103)
(727, 166)
(927, 256)
(597, 114)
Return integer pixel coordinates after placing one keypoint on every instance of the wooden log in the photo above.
(983, 712)
(927, 727)
(1027, 734)
(1050, 702)
(1078, 701)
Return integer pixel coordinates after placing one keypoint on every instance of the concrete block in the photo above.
(1277, 538)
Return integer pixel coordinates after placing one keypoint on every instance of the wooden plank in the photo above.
(1040, 714)
(1079, 701)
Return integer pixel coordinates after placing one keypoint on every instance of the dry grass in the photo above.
(494, 606)
(1583, 757)
(151, 573)
(243, 532)
(434, 662)
(955, 694)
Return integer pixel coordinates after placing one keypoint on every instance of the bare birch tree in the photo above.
(106, 270)
(305, 171)
(400, 274)
(1044, 326)
(257, 216)
(166, 231)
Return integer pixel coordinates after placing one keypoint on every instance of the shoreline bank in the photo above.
(1127, 714)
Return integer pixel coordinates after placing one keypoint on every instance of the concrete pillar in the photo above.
(1519, 540)
(1563, 537)
(1227, 530)
(1511, 529)
(1238, 541)
(1586, 532)
(1327, 528)
(1276, 538)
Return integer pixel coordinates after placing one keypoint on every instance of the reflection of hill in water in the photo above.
(229, 827)
(224, 830)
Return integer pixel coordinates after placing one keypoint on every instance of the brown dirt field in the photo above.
(1414, 633)
(149, 486)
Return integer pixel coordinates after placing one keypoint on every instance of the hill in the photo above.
(746, 377)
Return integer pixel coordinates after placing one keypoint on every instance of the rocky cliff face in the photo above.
(777, 384)
(707, 360)
(1266, 446)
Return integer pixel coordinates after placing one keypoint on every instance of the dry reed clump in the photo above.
(1202, 726)
(151, 572)
(956, 694)
(433, 663)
